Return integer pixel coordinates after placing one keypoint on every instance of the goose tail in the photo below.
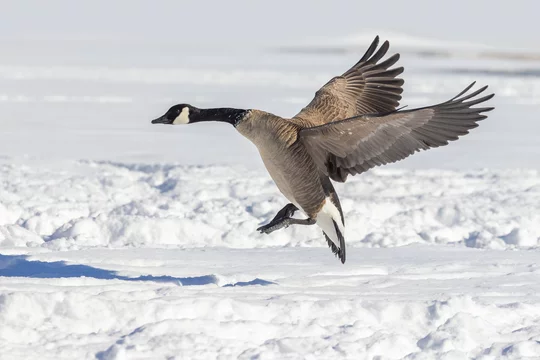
(330, 220)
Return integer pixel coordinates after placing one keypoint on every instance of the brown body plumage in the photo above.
(287, 160)
(349, 127)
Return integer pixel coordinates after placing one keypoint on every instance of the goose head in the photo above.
(180, 114)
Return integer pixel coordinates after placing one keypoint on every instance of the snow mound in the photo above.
(103, 204)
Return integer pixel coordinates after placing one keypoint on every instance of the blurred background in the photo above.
(83, 80)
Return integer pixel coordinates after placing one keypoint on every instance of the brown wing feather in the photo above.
(366, 88)
(355, 145)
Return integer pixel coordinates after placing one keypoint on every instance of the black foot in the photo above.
(270, 227)
(285, 213)
(276, 225)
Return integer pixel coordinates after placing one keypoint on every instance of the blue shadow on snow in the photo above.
(19, 266)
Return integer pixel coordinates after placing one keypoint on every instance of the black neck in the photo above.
(228, 115)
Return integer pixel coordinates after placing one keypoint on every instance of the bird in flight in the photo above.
(352, 125)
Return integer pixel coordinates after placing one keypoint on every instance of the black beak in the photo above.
(162, 120)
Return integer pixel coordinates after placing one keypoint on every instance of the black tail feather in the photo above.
(331, 245)
(338, 251)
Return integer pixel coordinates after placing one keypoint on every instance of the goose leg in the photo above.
(285, 213)
(283, 219)
(288, 221)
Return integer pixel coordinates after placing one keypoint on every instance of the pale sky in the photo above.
(510, 24)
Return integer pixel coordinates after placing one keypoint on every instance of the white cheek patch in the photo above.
(183, 117)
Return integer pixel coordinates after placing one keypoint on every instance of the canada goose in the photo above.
(349, 127)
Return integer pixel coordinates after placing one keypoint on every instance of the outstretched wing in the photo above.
(366, 88)
(352, 146)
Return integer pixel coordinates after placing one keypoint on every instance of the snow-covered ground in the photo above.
(414, 302)
(133, 261)
(123, 240)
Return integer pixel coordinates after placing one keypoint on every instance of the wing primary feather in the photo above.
(387, 63)
(463, 92)
(473, 94)
(380, 53)
(370, 50)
